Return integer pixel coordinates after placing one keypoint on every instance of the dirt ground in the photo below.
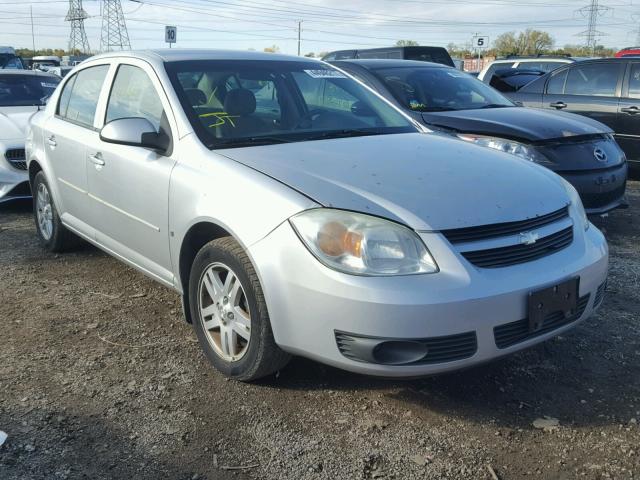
(101, 378)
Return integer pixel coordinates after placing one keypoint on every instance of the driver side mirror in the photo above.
(135, 132)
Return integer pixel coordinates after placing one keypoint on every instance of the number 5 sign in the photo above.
(170, 34)
(480, 42)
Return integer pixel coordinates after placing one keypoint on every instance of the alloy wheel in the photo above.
(44, 211)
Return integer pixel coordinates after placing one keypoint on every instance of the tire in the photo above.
(221, 310)
(54, 236)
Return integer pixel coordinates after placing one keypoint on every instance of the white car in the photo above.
(297, 212)
(22, 93)
(546, 64)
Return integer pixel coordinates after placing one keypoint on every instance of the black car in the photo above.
(607, 90)
(419, 53)
(580, 149)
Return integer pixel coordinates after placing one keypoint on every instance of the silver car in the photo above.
(297, 212)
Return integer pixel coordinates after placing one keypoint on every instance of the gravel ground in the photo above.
(101, 378)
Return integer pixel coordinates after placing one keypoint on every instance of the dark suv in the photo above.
(607, 90)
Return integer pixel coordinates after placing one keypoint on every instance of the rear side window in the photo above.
(556, 83)
(82, 100)
(634, 81)
(134, 96)
(598, 79)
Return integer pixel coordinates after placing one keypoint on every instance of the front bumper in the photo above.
(14, 181)
(312, 307)
(600, 190)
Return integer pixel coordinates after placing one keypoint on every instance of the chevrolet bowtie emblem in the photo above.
(529, 238)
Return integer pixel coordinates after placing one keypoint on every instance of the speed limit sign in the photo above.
(480, 42)
(170, 34)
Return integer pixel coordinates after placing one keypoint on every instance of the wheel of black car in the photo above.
(53, 234)
(229, 313)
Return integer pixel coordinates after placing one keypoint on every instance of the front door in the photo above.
(628, 130)
(128, 185)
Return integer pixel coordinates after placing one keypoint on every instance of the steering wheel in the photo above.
(310, 116)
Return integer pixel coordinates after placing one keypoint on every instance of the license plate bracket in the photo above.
(562, 297)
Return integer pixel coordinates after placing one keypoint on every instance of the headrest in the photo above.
(196, 96)
(240, 101)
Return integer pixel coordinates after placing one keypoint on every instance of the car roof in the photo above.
(375, 63)
(182, 54)
(36, 73)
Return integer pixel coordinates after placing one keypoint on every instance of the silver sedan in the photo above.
(297, 212)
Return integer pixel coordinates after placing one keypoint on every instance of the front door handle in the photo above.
(96, 159)
(558, 105)
(52, 141)
(630, 110)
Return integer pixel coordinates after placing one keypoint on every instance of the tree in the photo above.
(529, 42)
(272, 49)
(407, 43)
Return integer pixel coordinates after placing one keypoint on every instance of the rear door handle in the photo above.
(558, 105)
(630, 110)
(96, 159)
(52, 141)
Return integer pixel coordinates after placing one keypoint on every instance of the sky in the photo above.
(326, 24)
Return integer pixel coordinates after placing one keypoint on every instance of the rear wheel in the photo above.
(53, 234)
(229, 313)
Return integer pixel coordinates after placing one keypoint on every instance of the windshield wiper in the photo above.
(345, 133)
(248, 142)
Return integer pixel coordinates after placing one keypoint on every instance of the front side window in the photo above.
(134, 96)
(634, 81)
(24, 90)
(82, 100)
(244, 103)
(439, 89)
(556, 83)
(598, 79)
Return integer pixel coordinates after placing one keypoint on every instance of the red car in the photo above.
(628, 52)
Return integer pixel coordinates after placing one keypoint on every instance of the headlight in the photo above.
(509, 146)
(576, 204)
(362, 244)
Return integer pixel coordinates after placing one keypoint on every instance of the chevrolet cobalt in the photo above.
(298, 213)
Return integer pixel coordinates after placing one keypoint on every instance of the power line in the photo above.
(592, 12)
(114, 29)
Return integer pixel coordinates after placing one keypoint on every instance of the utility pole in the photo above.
(33, 35)
(78, 38)
(114, 29)
(299, 34)
(592, 12)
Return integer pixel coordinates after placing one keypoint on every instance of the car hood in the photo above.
(517, 123)
(426, 181)
(14, 122)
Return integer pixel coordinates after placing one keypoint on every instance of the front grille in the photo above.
(515, 332)
(439, 349)
(600, 200)
(599, 294)
(483, 232)
(17, 158)
(514, 254)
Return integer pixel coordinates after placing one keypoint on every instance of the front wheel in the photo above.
(229, 313)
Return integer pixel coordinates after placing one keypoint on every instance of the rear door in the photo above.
(591, 89)
(66, 135)
(129, 185)
(628, 129)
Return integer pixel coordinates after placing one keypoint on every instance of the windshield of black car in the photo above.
(23, 90)
(431, 89)
(242, 102)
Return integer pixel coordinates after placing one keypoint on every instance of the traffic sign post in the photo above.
(170, 34)
(480, 42)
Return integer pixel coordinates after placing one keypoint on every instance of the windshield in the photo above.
(22, 90)
(439, 89)
(243, 103)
